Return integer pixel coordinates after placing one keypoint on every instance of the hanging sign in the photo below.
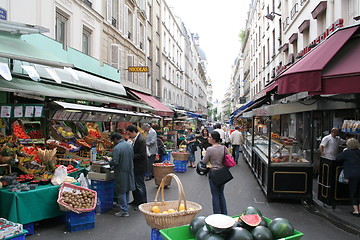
(18, 111)
(5, 111)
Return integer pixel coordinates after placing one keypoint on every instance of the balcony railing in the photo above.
(294, 11)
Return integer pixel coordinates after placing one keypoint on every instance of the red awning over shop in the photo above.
(160, 108)
(306, 74)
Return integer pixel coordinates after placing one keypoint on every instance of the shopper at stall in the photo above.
(351, 163)
(140, 165)
(151, 144)
(215, 155)
(329, 146)
(226, 136)
(190, 141)
(217, 128)
(122, 161)
(237, 140)
(204, 141)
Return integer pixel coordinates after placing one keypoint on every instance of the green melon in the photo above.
(238, 233)
(201, 233)
(262, 233)
(263, 222)
(251, 210)
(197, 223)
(281, 228)
(213, 237)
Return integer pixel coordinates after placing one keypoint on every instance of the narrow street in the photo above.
(241, 192)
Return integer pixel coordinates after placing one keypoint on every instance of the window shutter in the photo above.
(137, 32)
(120, 15)
(126, 20)
(109, 10)
(115, 56)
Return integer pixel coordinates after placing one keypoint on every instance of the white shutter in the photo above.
(109, 11)
(115, 56)
(137, 40)
(120, 15)
(119, 58)
(126, 20)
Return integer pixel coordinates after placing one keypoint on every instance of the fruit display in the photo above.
(274, 135)
(33, 129)
(82, 143)
(79, 199)
(160, 210)
(64, 132)
(250, 225)
(93, 133)
(19, 131)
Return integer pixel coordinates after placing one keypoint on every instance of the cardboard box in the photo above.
(101, 176)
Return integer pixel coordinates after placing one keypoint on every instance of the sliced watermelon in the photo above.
(252, 220)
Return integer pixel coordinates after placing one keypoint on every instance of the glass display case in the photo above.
(277, 161)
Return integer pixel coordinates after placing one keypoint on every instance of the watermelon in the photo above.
(213, 237)
(197, 223)
(238, 233)
(262, 233)
(263, 222)
(251, 210)
(281, 228)
(251, 220)
(201, 233)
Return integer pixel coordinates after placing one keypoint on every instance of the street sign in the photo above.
(242, 100)
(138, 69)
(3, 14)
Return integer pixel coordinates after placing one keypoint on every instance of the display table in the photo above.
(33, 205)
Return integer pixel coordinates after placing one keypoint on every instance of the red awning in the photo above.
(160, 108)
(271, 87)
(305, 75)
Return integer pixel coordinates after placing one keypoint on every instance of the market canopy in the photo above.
(160, 108)
(13, 47)
(18, 85)
(233, 114)
(331, 68)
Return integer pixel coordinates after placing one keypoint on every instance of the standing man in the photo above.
(217, 128)
(151, 143)
(329, 146)
(140, 165)
(122, 161)
(237, 140)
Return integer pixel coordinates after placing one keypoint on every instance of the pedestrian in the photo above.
(237, 140)
(161, 148)
(351, 163)
(217, 128)
(204, 141)
(191, 146)
(151, 143)
(140, 165)
(215, 155)
(122, 161)
(226, 136)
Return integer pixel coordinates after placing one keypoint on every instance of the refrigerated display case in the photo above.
(277, 162)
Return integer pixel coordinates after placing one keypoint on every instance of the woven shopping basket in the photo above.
(168, 220)
(161, 170)
(180, 156)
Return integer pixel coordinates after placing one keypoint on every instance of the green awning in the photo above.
(18, 85)
(13, 47)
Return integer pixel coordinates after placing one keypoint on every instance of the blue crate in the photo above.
(180, 166)
(30, 228)
(166, 157)
(155, 235)
(80, 227)
(72, 218)
(102, 185)
(104, 207)
(20, 236)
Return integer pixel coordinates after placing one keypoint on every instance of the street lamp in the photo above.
(271, 15)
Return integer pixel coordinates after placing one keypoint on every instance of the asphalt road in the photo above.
(241, 192)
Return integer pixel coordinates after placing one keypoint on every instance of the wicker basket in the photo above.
(160, 171)
(67, 187)
(168, 220)
(180, 156)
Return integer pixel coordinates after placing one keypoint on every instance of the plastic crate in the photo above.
(155, 235)
(105, 204)
(81, 227)
(183, 233)
(30, 228)
(180, 166)
(98, 185)
(73, 219)
(166, 157)
(20, 236)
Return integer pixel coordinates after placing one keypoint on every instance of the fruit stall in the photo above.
(276, 161)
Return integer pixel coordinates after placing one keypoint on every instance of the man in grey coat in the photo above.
(151, 144)
(122, 161)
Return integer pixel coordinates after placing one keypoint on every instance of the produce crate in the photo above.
(30, 228)
(20, 236)
(183, 233)
(155, 234)
(105, 194)
(102, 185)
(81, 227)
(180, 166)
(105, 204)
(73, 219)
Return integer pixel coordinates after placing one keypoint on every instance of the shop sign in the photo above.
(3, 14)
(21, 111)
(338, 24)
(138, 69)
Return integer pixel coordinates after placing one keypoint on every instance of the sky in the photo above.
(218, 24)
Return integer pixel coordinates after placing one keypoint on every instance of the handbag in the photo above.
(228, 160)
(342, 179)
(221, 176)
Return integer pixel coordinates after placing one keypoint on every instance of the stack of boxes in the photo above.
(78, 222)
(105, 194)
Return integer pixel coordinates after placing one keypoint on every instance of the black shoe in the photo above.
(355, 214)
(133, 203)
(147, 178)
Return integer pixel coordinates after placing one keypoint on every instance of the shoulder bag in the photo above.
(221, 176)
(228, 160)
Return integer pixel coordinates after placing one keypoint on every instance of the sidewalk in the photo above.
(340, 216)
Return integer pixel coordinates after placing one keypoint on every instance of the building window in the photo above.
(130, 63)
(129, 23)
(86, 41)
(61, 28)
(149, 12)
